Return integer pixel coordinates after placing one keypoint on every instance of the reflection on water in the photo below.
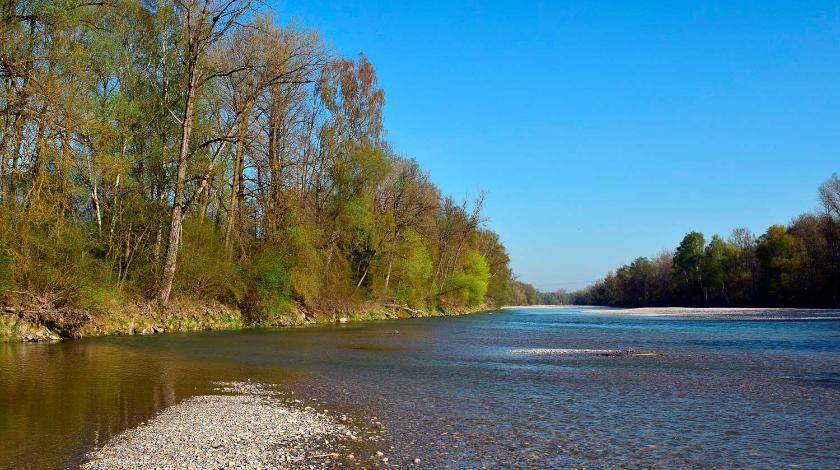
(57, 400)
(729, 391)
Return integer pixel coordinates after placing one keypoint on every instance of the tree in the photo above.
(196, 148)
(829, 193)
(205, 23)
(718, 269)
(745, 277)
(781, 256)
(686, 265)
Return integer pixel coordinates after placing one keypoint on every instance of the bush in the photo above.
(205, 269)
(58, 260)
(269, 287)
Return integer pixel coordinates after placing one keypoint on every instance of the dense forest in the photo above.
(190, 150)
(793, 265)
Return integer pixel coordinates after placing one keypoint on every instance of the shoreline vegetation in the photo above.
(21, 325)
(176, 166)
(793, 265)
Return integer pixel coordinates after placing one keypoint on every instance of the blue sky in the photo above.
(603, 131)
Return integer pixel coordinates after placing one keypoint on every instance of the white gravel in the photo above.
(250, 429)
(554, 351)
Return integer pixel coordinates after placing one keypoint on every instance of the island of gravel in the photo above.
(247, 425)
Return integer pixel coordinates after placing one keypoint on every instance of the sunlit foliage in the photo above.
(198, 149)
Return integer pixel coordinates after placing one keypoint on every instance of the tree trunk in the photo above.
(275, 176)
(237, 192)
(174, 243)
(388, 274)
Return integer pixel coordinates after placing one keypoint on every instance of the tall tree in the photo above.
(687, 265)
(205, 23)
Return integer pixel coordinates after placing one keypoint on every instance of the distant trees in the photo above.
(793, 265)
(197, 149)
(522, 293)
(687, 259)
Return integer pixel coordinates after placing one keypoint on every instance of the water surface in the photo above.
(730, 391)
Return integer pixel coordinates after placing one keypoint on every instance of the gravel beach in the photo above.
(247, 426)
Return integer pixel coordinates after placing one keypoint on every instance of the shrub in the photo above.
(269, 287)
(205, 269)
(59, 260)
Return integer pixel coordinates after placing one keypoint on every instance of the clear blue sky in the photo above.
(603, 131)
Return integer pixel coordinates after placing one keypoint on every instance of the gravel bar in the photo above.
(246, 428)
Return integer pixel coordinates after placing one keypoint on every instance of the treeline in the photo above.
(196, 148)
(522, 293)
(794, 265)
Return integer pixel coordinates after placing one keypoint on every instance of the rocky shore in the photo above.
(245, 426)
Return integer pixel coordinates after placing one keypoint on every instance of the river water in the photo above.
(755, 389)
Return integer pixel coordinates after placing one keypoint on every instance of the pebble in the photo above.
(249, 429)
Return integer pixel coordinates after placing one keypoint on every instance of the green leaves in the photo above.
(781, 255)
(412, 268)
(269, 286)
(285, 188)
(471, 281)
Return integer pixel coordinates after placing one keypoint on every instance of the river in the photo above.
(755, 389)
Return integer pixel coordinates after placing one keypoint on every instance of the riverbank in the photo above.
(244, 425)
(27, 318)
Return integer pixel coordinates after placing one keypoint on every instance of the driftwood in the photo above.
(413, 312)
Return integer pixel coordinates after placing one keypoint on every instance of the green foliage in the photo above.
(206, 269)
(308, 208)
(412, 270)
(269, 287)
(471, 282)
(687, 260)
(59, 261)
(719, 269)
(795, 265)
(781, 255)
(300, 246)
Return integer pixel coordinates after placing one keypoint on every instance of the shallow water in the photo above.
(505, 389)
